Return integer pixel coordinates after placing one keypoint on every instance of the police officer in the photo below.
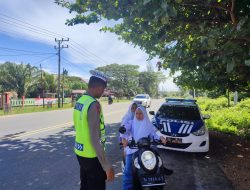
(90, 136)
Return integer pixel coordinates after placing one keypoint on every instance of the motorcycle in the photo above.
(110, 100)
(148, 170)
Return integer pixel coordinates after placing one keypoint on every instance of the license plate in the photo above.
(153, 180)
(174, 140)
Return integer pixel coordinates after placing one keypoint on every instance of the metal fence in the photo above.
(18, 102)
(36, 102)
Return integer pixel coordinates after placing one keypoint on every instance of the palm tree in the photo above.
(18, 77)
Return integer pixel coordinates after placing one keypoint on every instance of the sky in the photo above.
(28, 29)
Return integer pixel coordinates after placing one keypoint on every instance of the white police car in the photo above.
(183, 126)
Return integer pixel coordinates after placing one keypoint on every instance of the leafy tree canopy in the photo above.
(207, 40)
(125, 78)
(29, 81)
(128, 81)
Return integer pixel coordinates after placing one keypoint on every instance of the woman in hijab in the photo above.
(129, 115)
(126, 120)
(137, 128)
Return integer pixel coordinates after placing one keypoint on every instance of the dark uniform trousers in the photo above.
(93, 177)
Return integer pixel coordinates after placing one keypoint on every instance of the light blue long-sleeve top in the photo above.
(138, 129)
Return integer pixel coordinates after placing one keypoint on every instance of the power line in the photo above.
(15, 21)
(72, 64)
(93, 59)
(53, 34)
(40, 61)
(56, 34)
(79, 54)
(40, 54)
(88, 52)
(14, 32)
(22, 50)
(27, 28)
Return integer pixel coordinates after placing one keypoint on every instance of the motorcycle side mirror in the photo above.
(122, 130)
(151, 112)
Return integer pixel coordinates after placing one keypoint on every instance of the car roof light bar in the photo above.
(180, 100)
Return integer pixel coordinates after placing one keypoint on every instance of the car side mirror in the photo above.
(151, 112)
(206, 116)
(122, 130)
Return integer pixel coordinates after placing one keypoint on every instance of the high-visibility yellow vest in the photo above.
(83, 146)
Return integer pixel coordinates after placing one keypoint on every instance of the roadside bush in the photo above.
(235, 119)
(207, 104)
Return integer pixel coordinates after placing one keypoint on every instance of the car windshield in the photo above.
(179, 112)
(142, 97)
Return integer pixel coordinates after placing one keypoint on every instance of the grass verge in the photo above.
(31, 109)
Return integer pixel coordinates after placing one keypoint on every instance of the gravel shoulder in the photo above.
(232, 154)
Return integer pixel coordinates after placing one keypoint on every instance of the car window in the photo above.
(179, 112)
(140, 97)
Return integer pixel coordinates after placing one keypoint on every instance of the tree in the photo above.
(207, 40)
(149, 81)
(75, 83)
(125, 78)
(45, 83)
(18, 77)
(49, 82)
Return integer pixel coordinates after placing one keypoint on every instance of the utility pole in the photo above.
(42, 83)
(59, 47)
(63, 87)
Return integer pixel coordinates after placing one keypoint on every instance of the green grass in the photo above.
(31, 109)
(234, 119)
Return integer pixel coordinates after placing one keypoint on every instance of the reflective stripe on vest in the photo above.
(83, 146)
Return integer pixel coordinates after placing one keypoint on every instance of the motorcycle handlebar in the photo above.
(133, 145)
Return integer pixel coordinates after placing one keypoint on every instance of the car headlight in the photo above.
(200, 131)
(136, 163)
(148, 159)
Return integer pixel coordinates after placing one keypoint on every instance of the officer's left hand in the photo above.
(110, 174)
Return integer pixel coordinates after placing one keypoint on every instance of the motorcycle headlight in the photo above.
(136, 163)
(200, 131)
(148, 159)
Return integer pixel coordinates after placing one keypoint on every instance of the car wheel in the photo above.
(201, 154)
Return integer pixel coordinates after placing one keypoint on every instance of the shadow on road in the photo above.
(193, 171)
(48, 163)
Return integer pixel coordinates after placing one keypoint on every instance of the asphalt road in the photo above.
(36, 154)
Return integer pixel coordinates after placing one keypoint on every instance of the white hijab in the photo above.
(142, 128)
(129, 116)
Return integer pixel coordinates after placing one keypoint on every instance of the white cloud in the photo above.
(48, 70)
(46, 14)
